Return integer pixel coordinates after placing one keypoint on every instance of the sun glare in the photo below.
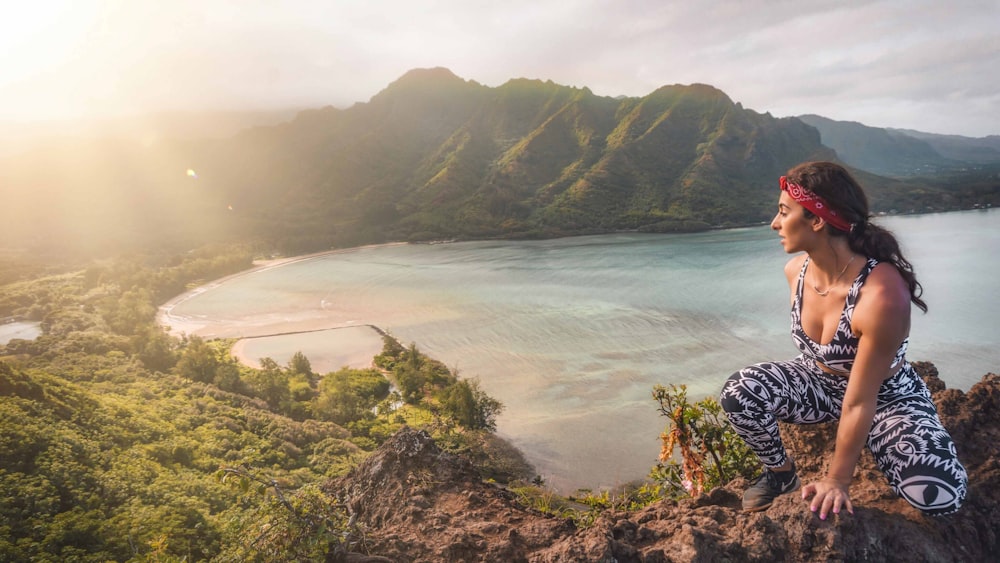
(40, 35)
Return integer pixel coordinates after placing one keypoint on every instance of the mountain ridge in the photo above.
(532, 155)
(903, 152)
(434, 156)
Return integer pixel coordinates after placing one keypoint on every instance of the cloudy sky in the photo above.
(927, 65)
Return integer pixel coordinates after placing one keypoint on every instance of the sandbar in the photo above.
(327, 349)
(328, 345)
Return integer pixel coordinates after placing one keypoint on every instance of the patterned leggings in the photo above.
(909, 443)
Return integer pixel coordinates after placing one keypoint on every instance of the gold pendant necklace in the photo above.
(834, 282)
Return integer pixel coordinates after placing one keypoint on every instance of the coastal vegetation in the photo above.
(121, 442)
(124, 442)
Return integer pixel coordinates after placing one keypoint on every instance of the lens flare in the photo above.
(192, 173)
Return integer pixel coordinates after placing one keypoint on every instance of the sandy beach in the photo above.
(329, 345)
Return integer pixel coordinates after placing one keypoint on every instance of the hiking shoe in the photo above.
(769, 486)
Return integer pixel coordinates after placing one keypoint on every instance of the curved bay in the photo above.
(572, 334)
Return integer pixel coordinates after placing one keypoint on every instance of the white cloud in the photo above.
(919, 65)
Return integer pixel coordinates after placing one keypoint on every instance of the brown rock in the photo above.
(416, 503)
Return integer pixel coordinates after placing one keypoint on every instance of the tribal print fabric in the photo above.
(910, 445)
(839, 353)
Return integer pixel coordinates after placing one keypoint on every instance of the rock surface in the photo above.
(416, 503)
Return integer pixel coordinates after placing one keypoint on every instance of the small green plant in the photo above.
(711, 453)
(586, 506)
(547, 502)
(628, 498)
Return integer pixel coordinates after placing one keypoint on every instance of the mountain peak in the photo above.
(427, 82)
(427, 79)
(438, 73)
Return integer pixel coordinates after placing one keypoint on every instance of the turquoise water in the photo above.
(572, 334)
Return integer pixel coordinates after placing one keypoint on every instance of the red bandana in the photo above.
(814, 203)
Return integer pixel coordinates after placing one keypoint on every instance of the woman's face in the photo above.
(791, 224)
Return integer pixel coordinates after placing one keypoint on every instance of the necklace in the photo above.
(835, 280)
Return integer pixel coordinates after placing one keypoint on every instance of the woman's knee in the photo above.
(743, 389)
(933, 489)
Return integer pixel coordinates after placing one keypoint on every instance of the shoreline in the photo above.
(165, 317)
(533, 431)
(179, 326)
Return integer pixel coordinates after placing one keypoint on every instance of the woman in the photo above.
(851, 290)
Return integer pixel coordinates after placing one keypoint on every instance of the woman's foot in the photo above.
(769, 486)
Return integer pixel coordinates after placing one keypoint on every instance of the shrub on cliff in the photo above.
(711, 453)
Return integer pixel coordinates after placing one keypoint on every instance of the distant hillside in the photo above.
(967, 149)
(877, 150)
(903, 152)
(433, 156)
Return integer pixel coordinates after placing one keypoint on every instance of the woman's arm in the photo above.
(881, 320)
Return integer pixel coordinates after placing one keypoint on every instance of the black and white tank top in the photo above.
(839, 353)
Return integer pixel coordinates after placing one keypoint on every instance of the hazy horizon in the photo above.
(930, 68)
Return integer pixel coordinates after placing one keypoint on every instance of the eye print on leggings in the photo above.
(928, 493)
(890, 424)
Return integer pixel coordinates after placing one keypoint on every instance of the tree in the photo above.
(199, 361)
(227, 378)
(128, 312)
(470, 406)
(271, 384)
(300, 364)
(348, 394)
(155, 348)
(411, 383)
(336, 400)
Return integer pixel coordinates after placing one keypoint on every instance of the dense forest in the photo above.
(120, 442)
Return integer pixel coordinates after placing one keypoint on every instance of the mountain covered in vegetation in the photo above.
(433, 156)
(877, 150)
(901, 152)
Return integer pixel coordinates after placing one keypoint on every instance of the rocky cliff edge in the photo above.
(414, 502)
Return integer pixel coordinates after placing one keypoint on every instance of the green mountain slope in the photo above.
(877, 150)
(433, 156)
(982, 150)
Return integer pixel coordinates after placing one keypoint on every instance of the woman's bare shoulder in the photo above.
(886, 281)
(884, 296)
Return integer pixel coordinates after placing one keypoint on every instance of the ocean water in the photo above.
(572, 334)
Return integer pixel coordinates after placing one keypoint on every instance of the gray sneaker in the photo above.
(769, 486)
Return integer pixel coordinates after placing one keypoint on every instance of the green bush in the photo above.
(711, 452)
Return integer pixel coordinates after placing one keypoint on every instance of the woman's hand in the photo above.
(830, 496)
